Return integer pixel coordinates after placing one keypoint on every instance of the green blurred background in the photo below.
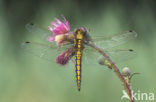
(25, 78)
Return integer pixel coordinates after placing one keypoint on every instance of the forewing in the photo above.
(115, 40)
(38, 31)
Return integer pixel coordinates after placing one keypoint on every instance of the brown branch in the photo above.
(113, 66)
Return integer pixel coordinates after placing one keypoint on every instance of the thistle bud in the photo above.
(103, 61)
(126, 72)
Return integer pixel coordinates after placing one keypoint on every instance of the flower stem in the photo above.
(113, 66)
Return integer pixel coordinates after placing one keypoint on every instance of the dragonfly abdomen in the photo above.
(78, 43)
(78, 59)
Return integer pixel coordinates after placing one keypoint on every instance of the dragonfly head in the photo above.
(82, 33)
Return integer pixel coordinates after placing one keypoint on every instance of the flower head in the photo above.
(59, 29)
(65, 56)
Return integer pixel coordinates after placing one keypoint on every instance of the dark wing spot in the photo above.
(131, 50)
(31, 23)
(27, 42)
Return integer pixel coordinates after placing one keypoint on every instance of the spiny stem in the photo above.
(116, 69)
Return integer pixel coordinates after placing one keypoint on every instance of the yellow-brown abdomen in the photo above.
(78, 43)
(78, 68)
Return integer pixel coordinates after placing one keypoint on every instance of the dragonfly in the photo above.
(50, 51)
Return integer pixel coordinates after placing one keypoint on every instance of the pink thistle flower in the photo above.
(59, 29)
(65, 56)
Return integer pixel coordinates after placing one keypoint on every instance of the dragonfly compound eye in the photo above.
(81, 30)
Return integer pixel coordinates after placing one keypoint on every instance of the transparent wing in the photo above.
(101, 41)
(120, 55)
(40, 32)
(51, 51)
(115, 40)
(46, 51)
